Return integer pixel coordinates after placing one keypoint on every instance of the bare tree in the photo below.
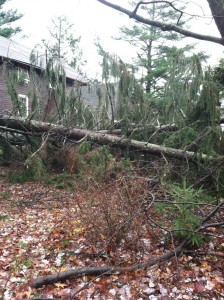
(217, 12)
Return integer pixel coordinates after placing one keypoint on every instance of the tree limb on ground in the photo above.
(105, 270)
(108, 270)
(75, 134)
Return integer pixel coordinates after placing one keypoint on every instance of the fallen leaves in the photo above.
(60, 285)
(41, 233)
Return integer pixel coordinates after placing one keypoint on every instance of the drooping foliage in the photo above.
(15, 78)
(120, 94)
(70, 107)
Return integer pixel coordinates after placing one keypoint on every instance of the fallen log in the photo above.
(105, 270)
(37, 127)
(142, 128)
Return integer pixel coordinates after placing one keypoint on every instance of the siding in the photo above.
(36, 85)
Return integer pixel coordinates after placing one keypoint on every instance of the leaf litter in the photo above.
(41, 234)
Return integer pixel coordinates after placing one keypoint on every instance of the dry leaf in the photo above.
(60, 285)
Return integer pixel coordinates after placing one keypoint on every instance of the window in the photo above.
(23, 105)
(23, 76)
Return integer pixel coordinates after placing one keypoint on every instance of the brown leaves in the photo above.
(44, 234)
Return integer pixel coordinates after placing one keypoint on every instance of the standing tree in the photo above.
(153, 47)
(6, 20)
(63, 47)
(63, 44)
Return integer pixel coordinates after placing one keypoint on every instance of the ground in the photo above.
(41, 234)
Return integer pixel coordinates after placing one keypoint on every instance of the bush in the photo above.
(113, 213)
(183, 211)
(32, 170)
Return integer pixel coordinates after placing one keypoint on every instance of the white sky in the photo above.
(93, 19)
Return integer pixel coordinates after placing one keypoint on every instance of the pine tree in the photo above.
(153, 47)
(6, 20)
(62, 43)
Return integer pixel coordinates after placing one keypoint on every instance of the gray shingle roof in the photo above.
(19, 53)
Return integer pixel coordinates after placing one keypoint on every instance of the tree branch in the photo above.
(105, 270)
(158, 2)
(164, 26)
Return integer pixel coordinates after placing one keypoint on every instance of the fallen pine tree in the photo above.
(141, 128)
(30, 127)
(27, 126)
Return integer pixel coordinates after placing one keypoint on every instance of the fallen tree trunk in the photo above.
(139, 129)
(37, 127)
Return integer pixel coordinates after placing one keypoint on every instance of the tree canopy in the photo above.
(63, 44)
(155, 51)
(6, 19)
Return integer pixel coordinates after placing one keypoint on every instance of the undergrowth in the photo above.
(123, 202)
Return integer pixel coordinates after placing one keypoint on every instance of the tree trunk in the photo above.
(144, 128)
(37, 127)
(217, 9)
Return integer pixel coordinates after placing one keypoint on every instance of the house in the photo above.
(25, 89)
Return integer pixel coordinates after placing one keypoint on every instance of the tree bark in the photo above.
(169, 27)
(37, 127)
(217, 9)
(143, 128)
(105, 270)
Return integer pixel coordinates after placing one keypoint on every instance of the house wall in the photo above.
(35, 86)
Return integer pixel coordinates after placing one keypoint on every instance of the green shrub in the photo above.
(33, 170)
(84, 148)
(183, 211)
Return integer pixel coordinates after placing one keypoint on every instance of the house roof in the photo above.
(22, 54)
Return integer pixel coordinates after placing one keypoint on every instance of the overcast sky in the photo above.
(91, 20)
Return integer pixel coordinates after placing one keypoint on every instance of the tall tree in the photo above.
(6, 19)
(152, 45)
(217, 10)
(63, 44)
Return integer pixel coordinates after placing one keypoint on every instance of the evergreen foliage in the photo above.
(153, 46)
(122, 99)
(183, 210)
(71, 109)
(14, 77)
(62, 44)
(6, 20)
